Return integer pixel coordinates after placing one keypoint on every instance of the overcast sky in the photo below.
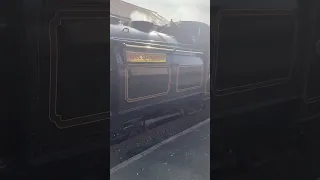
(193, 10)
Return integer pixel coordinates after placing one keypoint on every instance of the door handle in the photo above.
(318, 48)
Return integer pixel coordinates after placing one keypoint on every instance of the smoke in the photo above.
(191, 13)
(177, 9)
(139, 16)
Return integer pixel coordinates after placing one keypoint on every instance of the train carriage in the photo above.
(57, 80)
(255, 54)
(264, 54)
(264, 69)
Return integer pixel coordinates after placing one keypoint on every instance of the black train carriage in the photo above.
(265, 53)
(155, 73)
(57, 80)
(255, 47)
(266, 62)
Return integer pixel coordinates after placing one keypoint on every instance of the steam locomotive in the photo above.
(157, 72)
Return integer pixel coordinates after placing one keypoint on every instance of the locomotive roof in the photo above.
(133, 35)
(127, 33)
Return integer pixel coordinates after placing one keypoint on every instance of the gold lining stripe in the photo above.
(194, 52)
(148, 47)
(158, 48)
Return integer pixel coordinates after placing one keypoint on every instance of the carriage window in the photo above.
(3, 27)
(189, 77)
(156, 81)
(189, 72)
(83, 67)
(251, 46)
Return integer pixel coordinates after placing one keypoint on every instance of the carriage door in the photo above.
(80, 70)
(312, 56)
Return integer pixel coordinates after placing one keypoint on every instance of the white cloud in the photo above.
(178, 9)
